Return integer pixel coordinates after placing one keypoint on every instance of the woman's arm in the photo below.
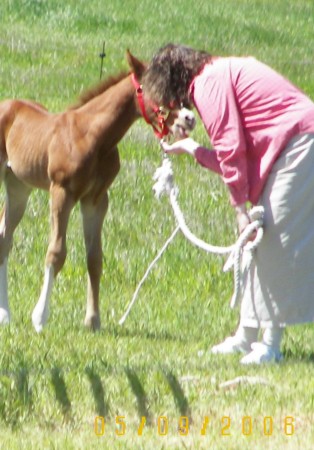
(205, 157)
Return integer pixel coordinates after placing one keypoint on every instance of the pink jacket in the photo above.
(250, 113)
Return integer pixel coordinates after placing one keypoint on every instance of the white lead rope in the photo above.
(125, 315)
(165, 184)
(243, 243)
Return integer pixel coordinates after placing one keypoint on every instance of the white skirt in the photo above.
(278, 284)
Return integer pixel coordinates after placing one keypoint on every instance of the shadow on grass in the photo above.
(102, 407)
(138, 391)
(119, 331)
(62, 398)
(178, 395)
(298, 356)
(16, 399)
(23, 387)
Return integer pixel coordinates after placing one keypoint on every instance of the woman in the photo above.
(261, 129)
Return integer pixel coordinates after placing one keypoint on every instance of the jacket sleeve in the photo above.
(216, 103)
(208, 158)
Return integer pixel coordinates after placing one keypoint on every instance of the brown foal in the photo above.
(74, 156)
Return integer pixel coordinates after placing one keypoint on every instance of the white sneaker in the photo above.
(261, 353)
(231, 345)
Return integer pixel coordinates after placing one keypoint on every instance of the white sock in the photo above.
(247, 335)
(272, 337)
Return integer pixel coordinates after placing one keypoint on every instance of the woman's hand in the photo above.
(242, 217)
(243, 221)
(187, 145)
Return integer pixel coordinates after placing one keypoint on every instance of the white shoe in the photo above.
(261, 353)
(231, 345)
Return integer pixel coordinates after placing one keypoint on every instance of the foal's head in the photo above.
(177, 121)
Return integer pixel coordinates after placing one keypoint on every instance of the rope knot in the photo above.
(256, 215)
(163, 178)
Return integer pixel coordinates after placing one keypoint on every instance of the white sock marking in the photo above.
(4, 301)
(41, 310)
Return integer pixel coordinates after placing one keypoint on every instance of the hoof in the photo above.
(92, 322)
(38, 321)
(38, 327)
(4, 316)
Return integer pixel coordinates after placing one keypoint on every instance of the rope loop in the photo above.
(164, 184)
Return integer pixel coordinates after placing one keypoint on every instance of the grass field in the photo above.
(67, 388)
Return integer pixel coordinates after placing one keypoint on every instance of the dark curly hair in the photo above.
(170, 73)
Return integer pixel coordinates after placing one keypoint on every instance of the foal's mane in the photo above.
(94, 91)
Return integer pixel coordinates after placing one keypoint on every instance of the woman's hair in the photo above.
(170, 73)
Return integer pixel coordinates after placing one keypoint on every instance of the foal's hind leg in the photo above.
(93, 218)
(16, 200)
(60, 207)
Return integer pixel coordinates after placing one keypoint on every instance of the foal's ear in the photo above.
(137, 66)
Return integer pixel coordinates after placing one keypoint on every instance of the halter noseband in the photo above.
(163, 130)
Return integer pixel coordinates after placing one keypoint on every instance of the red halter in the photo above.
(163, 130)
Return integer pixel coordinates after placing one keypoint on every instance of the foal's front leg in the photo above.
(93, 217)
(61, 204)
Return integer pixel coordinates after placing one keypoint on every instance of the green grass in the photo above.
(53, 385)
